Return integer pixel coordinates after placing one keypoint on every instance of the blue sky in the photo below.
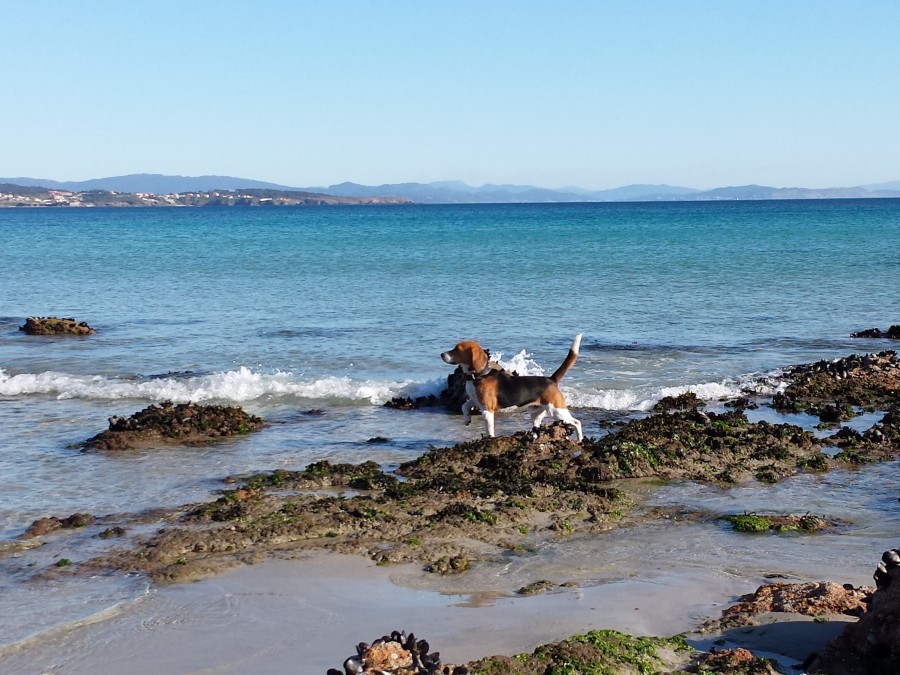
(588, 93)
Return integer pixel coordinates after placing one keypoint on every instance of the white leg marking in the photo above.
(488, 422)
(564, 415)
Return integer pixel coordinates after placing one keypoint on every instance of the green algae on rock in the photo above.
(755, 523)
(183, 424)
(598, 652)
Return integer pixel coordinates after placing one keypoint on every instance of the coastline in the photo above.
(307, 615)
(313, 607)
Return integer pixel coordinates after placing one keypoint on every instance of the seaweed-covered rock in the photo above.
(702, 446)
(185, 424)
(49, 325)
(868, 381)
(682, 402)
(599, 651)
(757, 523)
(871, 645)
(879, 442)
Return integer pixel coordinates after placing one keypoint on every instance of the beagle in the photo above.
(490, 390)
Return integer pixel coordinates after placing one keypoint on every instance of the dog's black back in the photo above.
(518, 390)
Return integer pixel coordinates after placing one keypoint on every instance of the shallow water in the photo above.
(337, 310)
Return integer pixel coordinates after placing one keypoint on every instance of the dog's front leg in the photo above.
(488, 422)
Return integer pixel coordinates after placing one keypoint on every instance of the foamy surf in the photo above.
(236, 386)
(245, 385)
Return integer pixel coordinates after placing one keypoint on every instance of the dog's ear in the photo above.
(479, 359)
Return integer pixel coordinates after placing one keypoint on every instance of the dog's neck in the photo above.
(481, 373)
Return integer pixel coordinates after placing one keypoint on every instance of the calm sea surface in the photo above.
(341, 308)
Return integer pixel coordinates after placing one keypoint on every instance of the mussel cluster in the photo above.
(396, 654)
(889, 560)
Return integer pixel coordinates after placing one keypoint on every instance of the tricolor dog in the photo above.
(490, 390)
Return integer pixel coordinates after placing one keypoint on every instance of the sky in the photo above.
(595, 94)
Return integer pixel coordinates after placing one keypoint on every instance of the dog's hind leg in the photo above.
(537, 417)
(563, 415)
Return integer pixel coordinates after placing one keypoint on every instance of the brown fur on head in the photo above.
(469, 355)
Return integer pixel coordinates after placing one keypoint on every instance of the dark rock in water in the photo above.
(892, 333)
(49, 325)
(872, 645)
(185, 424)
(682, 402)
(868, 333)
(396, 654)
(451, 398)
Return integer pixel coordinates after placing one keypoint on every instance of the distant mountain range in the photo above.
(456, 192)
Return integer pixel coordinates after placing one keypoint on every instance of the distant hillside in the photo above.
(152, 182)
(457, 192)
(33, 196)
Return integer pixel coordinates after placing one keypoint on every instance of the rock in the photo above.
(48, 325)
(43, 526)
(868, 333)
(735, 662)
(892, 333)
(871, 645)
(185, 424)
(869, 381)
(396, 654)
(682, 403)
(814, 598)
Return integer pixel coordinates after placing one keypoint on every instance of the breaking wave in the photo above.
(244, 385)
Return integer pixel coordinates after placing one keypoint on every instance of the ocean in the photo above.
(314, 317)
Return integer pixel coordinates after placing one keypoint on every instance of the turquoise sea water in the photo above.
(339, 309)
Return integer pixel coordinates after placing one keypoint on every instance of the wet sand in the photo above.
(304, 616)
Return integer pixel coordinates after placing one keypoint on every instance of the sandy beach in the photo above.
(304, 616)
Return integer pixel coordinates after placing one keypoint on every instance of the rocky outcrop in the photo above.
(814, 598)
(872, 645)
(867, 381)
(49, 325)
(451, 397)
(892, 333)
(183, 424)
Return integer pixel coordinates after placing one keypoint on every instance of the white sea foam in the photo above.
(244, 384)
(239, 385)
(644, 399)
(521, 363)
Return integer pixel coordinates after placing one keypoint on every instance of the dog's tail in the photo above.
(570, 359)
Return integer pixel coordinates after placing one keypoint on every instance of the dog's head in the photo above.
(469, 355)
